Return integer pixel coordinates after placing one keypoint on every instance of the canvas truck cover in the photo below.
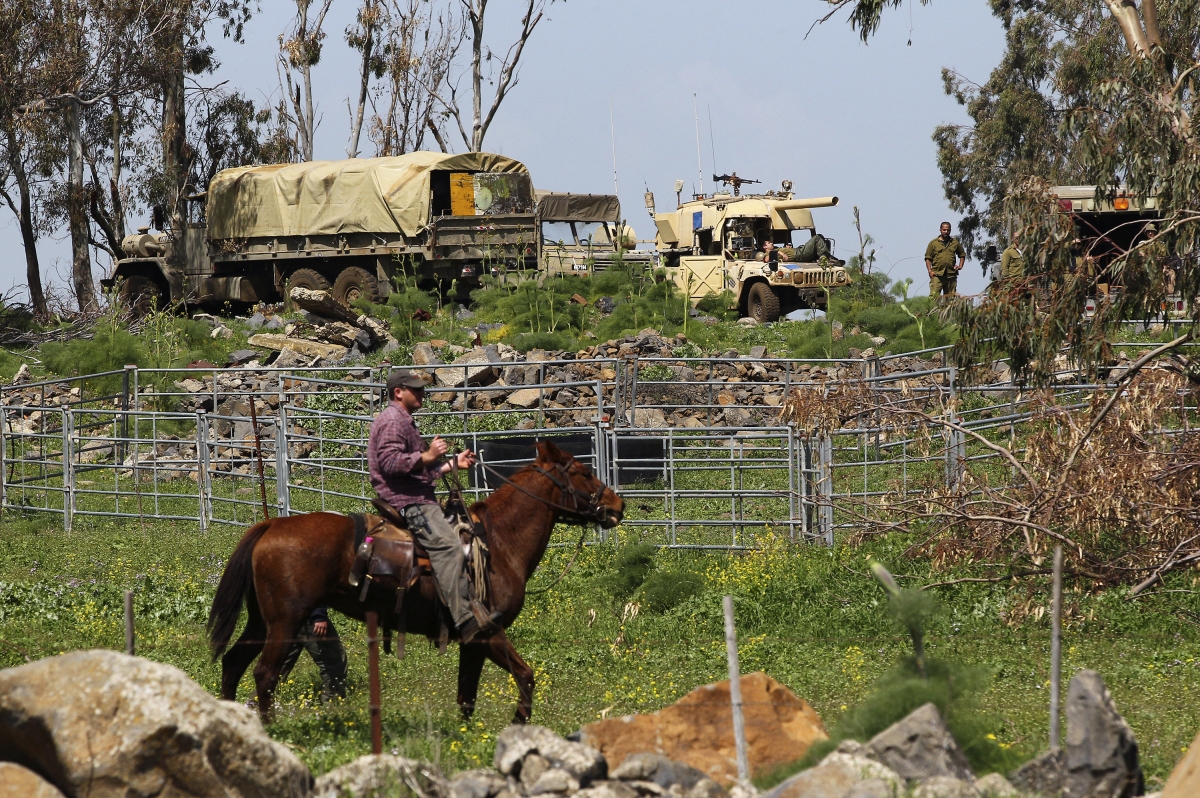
(359, 195)
(579, 207)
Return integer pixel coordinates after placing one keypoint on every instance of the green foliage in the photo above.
(630, 568)
(721, 306)
(667, 589)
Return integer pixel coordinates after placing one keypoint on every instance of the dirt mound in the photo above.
(698, 729)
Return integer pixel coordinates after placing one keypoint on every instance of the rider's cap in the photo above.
(404, 378)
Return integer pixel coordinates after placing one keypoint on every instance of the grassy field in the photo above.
(808, 616)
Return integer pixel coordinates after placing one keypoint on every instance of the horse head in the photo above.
(586, 498)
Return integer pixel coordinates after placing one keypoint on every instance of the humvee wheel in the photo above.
(143, 295)
(762, 304)
(305, 278)
(354, 283)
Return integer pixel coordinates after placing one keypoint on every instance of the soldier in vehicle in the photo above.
(940, 263)
(403, 472)
(815, 248)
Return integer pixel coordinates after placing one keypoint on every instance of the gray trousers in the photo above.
(431, 529)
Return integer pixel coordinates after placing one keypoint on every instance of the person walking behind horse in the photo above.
(403, 473)
(320, 639)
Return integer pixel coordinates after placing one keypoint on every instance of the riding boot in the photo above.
(481, 625)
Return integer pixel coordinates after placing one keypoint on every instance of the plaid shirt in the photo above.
(394, 456)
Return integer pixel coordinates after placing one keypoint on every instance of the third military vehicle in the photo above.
(719, 241)
(347, 226)
(584, 234)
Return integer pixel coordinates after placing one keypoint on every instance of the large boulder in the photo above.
(581, 761)
(1042, 774)
(382, 776)
(920, 747)
(698, 729)
(301, 346)
(1185, 778)
(19, 782)
(104, 724)
(1102, 753)
(470, 368)
(323, 304)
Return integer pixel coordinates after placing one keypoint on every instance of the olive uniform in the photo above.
(1012, 264)
(327, 652)
(943, 255)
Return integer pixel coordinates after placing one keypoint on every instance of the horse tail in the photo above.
(237, 585)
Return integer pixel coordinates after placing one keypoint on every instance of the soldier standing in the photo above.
(940, 264)
(1012, 261)
(319, 637)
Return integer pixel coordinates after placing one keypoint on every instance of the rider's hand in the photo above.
(466, 459)
(321, 628)
(437, 448)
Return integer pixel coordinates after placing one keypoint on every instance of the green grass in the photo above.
(808, 616)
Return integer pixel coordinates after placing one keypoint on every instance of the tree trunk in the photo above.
(174, 143)
(33, 269)
(114, 183)
(77, 221)
(476, 14)
(368, 22)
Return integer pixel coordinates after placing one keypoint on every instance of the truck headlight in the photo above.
(468, 271)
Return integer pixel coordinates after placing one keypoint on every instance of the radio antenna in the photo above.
(711, 143)
(699, 166)
(613, 128)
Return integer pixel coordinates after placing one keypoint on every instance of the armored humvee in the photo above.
(716, 242)
(584, 234)
(346, 226)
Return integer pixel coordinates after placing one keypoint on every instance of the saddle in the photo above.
(392, 561)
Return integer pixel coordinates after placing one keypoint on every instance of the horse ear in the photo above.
(548, 451)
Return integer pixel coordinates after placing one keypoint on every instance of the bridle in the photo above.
(584, 508)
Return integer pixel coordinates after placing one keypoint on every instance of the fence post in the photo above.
(282, 473)
(205, 466)
(201, 471)
(126, 385)
(735, 694)
(1056, 646)
(373, 682)
(3, 454)
(825, 488)
(68, 472)
(129, 641)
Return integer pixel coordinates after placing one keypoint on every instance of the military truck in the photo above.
(717, 242)
(345, 226)
(1104, 230)
(583, 234)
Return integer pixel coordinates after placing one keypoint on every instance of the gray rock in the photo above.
(554, 780)
(478, 371)
(462, 314)
(274, 323)
(481, 783)
(581, 761)
(945, 787)
(532, 768)
(921, 747)
(1042, 774)
(649, 418)
(256, 321)
(840, 775)
(757, 352)
(526, 397)
(746, 321)
(425, 355)
(382, 776)
(993, 785)
(103, 723)
(605, 304)
(19, 782)
(240, 356)
(609, 789)
(839, 331)
(659, 769)
(1102, 753)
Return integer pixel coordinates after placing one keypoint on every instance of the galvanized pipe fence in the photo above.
(117, 445)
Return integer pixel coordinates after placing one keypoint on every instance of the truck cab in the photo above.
(720, 242)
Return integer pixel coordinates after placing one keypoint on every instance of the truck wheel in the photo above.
(142, 295)
(355, 283)
(305, 278)
(762, 304)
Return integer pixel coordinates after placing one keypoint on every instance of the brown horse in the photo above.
(286, 567)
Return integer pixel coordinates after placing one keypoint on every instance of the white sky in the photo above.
(831, 114)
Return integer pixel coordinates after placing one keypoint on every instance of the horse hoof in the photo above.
(467, 710)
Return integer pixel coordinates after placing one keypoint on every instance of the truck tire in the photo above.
(305, 278)
(354, 283)
(762, 304)
(143, 294)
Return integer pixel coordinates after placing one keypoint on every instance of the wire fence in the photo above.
(696, 446)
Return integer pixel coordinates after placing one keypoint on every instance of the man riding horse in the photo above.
(403, 472)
